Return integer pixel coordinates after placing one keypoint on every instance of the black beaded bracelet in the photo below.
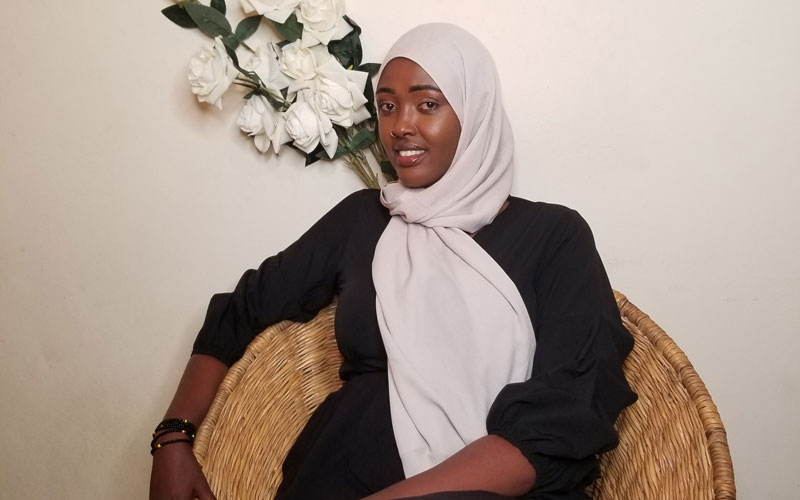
(165, 443)
(164, 432)
(173, 425)
(176, 424)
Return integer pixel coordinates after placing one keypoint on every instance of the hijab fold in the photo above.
(454, 325)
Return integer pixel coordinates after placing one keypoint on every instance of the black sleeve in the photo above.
(294, 284)
(564, 414)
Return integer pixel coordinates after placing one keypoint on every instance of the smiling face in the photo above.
(417, 127)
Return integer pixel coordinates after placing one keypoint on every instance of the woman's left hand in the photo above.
(488, 464)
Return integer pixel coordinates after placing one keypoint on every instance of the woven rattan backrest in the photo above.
(263, 404)
(672, 442)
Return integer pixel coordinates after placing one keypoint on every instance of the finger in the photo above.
(204, 491)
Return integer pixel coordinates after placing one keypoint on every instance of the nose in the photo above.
(404, 124)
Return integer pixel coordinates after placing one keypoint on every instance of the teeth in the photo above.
(410, 152)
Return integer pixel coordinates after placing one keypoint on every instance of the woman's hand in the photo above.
(489, 464)
(176, 475)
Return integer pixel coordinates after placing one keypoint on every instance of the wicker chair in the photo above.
(672, 441)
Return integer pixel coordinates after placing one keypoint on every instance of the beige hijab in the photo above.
(453, 323)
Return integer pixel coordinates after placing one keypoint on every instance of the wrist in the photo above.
(161, 437)
(172, 431)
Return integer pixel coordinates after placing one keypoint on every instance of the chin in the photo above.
(415, 181)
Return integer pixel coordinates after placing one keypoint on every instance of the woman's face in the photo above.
(417, 127)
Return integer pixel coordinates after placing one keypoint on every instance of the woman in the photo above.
(482, 345)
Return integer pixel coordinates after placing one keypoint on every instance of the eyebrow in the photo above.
(413, 88)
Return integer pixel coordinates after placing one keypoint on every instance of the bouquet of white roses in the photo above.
(310, 90)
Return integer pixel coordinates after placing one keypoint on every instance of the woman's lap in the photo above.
(459, 495)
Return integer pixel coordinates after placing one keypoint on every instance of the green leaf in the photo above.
(371, 68)
(342, 147)
(388, 169)
(179, 16)
(209, 20)
(218, 5)
(348, 49)
(230, 42)
(345, 52)
(247, 27)
(361, 140)
(317, 154)
(369, 95)
(291, 29)
(356, 27)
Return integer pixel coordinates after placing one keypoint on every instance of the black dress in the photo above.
(559, 418)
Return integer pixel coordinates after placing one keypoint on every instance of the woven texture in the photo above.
(672, 441)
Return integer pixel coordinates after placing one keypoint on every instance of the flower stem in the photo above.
(262, 89)
(245, 83)
(360, 166)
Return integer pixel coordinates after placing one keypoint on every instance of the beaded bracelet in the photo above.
(165, 443)
(173, 425)
(177, 424)
(157, 435)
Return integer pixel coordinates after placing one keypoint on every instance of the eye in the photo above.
(386, 107)
(429, 105)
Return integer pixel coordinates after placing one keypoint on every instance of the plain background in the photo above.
(673, 127)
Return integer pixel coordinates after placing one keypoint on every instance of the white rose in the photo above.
(300, 63)
(211, 72)
(262, 122)
(323, 21)
(265, 63)
(277, 10)
(341, 99)
(307, 127)
(303, 65)
(335, 91)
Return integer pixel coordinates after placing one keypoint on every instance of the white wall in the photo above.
(672, 126)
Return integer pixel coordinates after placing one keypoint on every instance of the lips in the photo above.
(408, 155)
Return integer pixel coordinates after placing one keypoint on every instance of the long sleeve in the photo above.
(293, 284)
(564, 414)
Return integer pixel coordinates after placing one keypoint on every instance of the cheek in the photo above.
(454, 133)
(446, 135)
(383, 133)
